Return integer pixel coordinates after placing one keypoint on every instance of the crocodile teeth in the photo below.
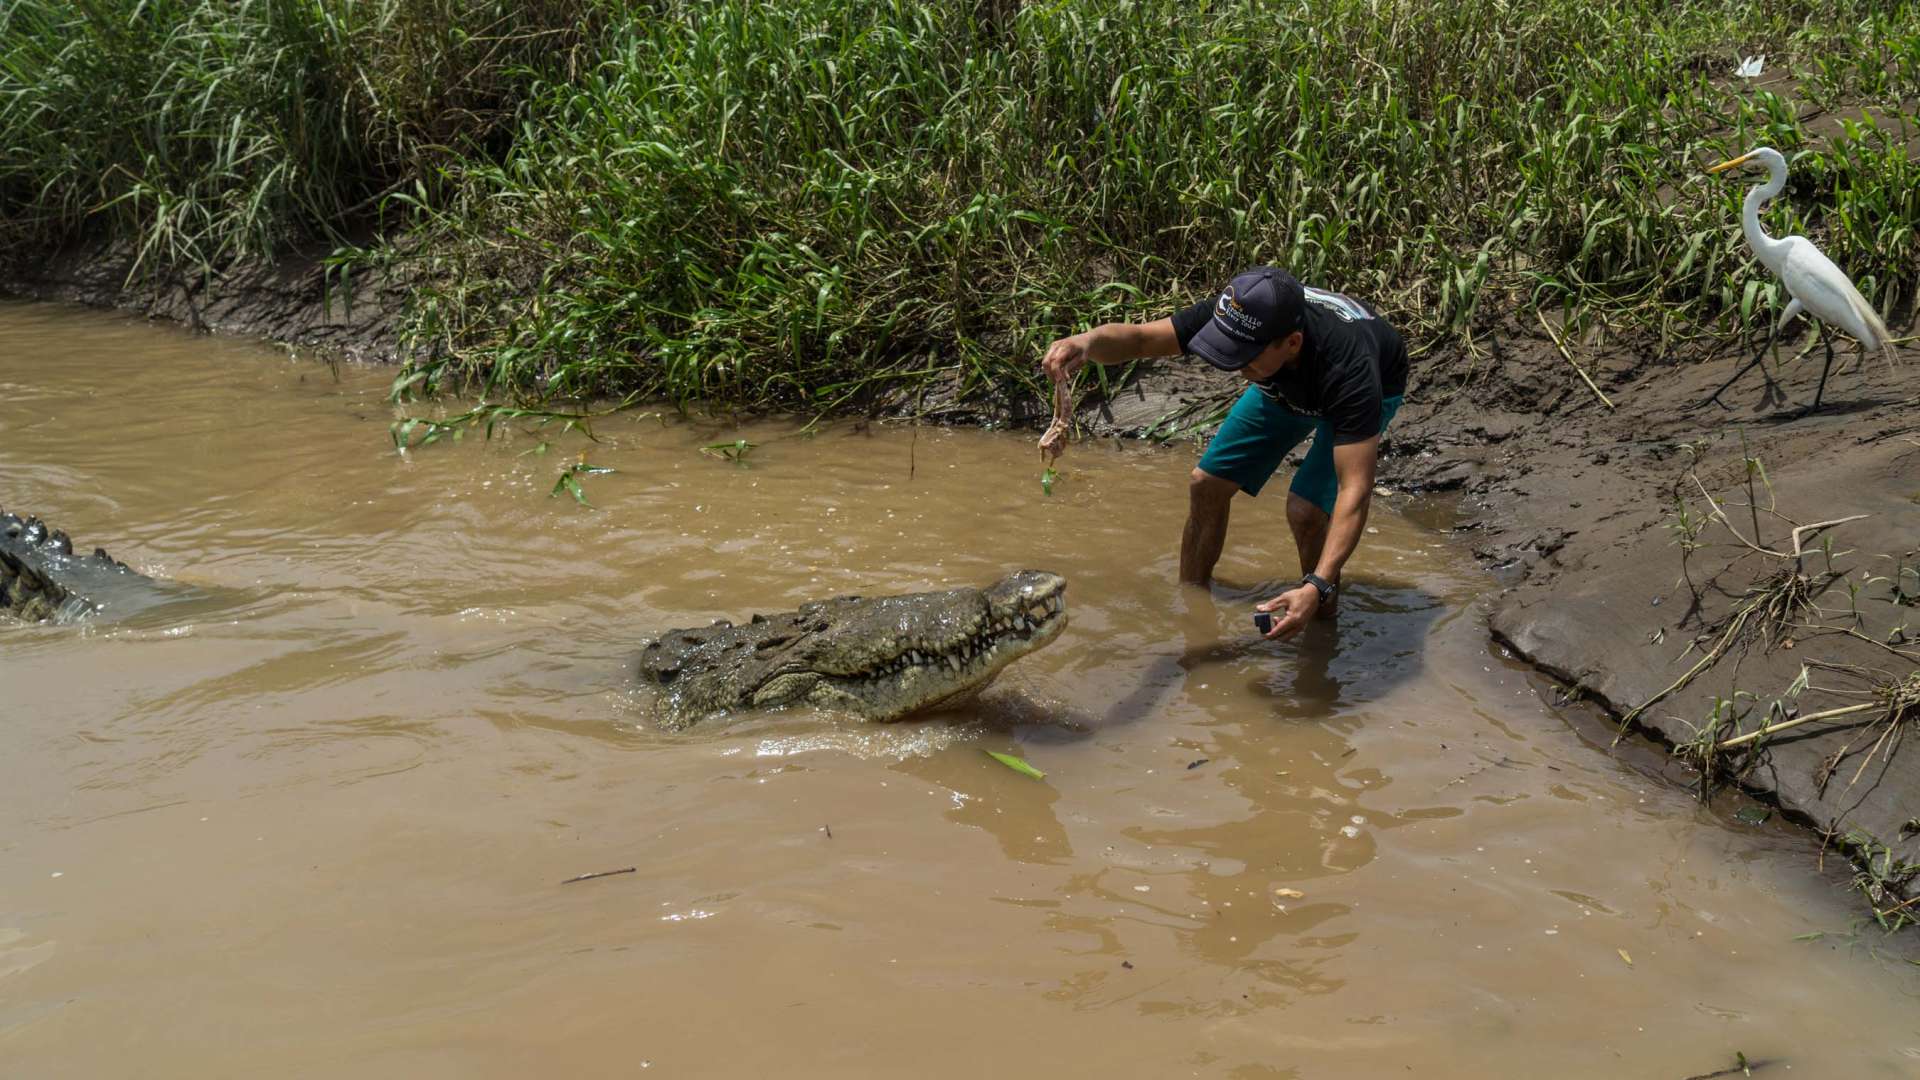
(954, 662)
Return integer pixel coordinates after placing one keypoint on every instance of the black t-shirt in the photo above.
(1350, 361)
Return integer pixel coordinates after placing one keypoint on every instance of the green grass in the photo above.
(204, 133)
(798, 205)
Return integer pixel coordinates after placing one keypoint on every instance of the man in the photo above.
(1319, 362)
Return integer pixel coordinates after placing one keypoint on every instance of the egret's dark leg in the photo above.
(1828, 338)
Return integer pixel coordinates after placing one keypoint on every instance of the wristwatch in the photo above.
(1320, 585)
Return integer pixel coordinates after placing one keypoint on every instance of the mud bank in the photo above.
(290, 300)
(1648, 558)
(1644, 548)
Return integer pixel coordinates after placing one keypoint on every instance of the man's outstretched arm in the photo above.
(1110, 343)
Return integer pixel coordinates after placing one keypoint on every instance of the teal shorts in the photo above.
(1259, 434)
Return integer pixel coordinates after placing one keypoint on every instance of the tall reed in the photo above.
(795, 204)
(201, 133)
(787, 203)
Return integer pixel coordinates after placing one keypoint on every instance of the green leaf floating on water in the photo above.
(735, 451)
(1047, 478)
(1016, 764)
(568, 482)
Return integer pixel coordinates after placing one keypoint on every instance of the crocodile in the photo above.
(876, 658)
(42, 580)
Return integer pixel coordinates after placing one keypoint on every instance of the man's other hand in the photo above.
(1298, 605)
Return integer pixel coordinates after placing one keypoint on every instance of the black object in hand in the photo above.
(1263, 622)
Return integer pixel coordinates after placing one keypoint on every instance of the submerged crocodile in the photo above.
(42, 580)
(878, 658)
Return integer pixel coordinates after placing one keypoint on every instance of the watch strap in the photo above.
(1321, 585)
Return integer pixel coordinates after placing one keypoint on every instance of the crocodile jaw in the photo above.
(1019, 618)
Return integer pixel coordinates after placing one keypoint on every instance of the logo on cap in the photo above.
(1231, 312)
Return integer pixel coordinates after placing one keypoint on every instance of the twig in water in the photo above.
(1740, 1067)
(602, 873)
(919, 403)
(1576, 364)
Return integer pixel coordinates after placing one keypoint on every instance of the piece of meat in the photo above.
(1054, 442)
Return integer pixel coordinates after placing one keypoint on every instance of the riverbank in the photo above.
(1619, 532)
(288, 300)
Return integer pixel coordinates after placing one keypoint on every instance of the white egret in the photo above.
(1817, 287)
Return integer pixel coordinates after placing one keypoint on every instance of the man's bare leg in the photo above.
(1309, 524)
(1209, 498)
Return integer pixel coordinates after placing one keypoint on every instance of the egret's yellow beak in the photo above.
(1725, 165)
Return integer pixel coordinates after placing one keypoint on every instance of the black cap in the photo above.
(1257, 308)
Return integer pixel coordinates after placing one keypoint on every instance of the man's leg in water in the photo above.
(1256, 436)
(1209, 498)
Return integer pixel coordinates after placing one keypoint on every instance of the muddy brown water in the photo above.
(318, 824)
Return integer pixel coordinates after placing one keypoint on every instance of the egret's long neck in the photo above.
(1769, 250)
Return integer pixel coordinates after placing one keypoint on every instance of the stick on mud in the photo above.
(1576, 364)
